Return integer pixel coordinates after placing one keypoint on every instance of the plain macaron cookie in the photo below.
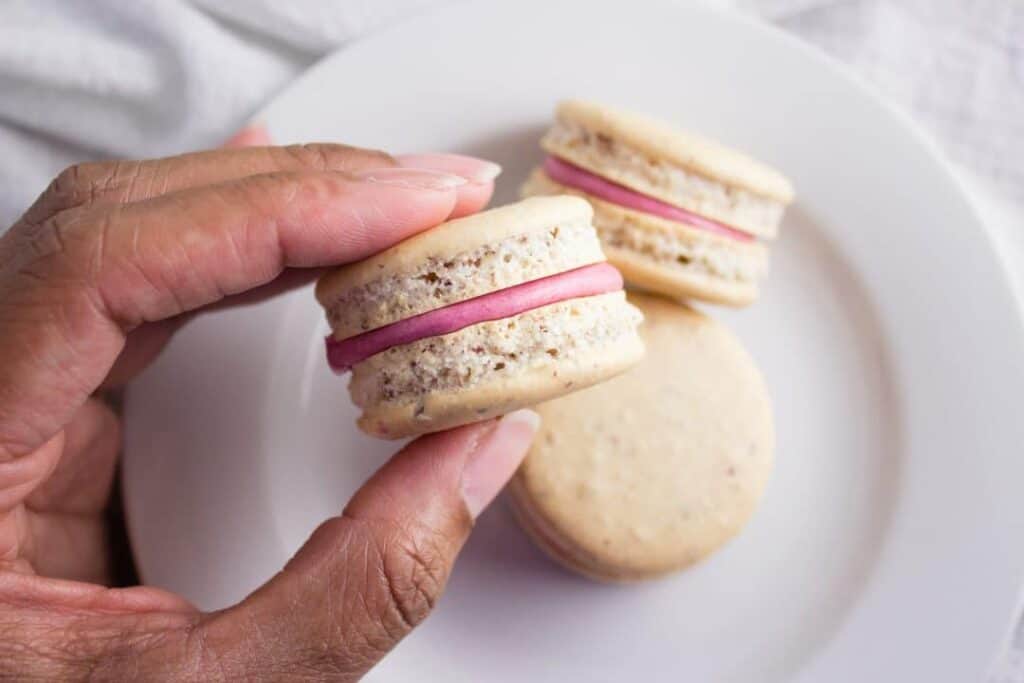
(657, 468)
(478, 317)
(678, 214)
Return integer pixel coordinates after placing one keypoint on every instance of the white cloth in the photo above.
(94, 78)
(86, 79)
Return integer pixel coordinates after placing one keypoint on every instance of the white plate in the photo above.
(891, 541)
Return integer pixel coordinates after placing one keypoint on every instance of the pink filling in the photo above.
(591, 280)
(563, 172)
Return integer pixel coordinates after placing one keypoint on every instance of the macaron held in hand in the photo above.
(678, 214)
(478, 317)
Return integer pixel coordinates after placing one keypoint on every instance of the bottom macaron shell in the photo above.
(642, 273)
(500, 396)
(572, 558)
(549, 352)
(676, 280)
(658, 468)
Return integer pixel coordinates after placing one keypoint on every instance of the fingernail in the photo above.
(496, 457)
(417, 178)
(476, 171)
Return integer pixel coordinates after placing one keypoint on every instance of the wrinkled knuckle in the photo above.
(79, 183)
(414, 570)
(47, 245)
(336, 157)
(308, 156)
(128, 181)
(82, 236)
(268, 193)
(63, 192)
(369, 157)
(76, 185)
(207, 657)
(69, 182)
(20, 656)
(42, 645)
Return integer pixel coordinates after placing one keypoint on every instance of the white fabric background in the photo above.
(86, 79)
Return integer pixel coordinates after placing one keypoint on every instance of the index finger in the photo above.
(72, 290)
(128, 181)
(125, 181)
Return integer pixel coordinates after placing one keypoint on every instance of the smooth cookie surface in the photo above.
(657, 468)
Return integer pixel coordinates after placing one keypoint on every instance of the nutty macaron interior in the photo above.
(678, 214)
(478, 317)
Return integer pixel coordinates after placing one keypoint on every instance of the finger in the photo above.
(125, 181)
(145, 344)
(52, 497)
(81, 482)
(253, 135)
(141, 347)
(359, 585)
(53, 630)
(131, 181)
(479, 174)
(19, 477)
(365, 579)
(70, 547)
(75, 289)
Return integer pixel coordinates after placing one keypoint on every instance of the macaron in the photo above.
(678, 214)
(656, 469)
(477, 317)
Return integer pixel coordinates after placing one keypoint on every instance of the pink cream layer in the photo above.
(599, 278)
(563, 172)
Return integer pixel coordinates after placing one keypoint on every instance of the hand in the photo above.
(96, 276)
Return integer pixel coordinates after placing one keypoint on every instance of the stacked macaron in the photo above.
(658, 468)
(678, 214)
(478, 317)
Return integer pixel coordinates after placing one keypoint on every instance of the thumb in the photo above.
(365, 579)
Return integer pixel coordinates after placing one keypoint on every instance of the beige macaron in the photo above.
(658, 468)
(477, 362)
(698, 213)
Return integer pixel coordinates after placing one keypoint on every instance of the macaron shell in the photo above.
(500, 395)
(455, 237)
(646, 273)
(571, 558)
(659, 467)
(661, 140)
(642, 273)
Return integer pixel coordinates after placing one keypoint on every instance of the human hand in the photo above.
(96, 276)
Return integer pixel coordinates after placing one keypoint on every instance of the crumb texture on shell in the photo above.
(660, 140)
(455, 236)
(443, 279)
(492, 351)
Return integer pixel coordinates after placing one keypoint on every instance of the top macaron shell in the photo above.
(659, 140)
(460, 260)
(720, 183)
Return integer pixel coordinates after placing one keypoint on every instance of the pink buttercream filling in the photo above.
(563, 172)
(599, 278)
